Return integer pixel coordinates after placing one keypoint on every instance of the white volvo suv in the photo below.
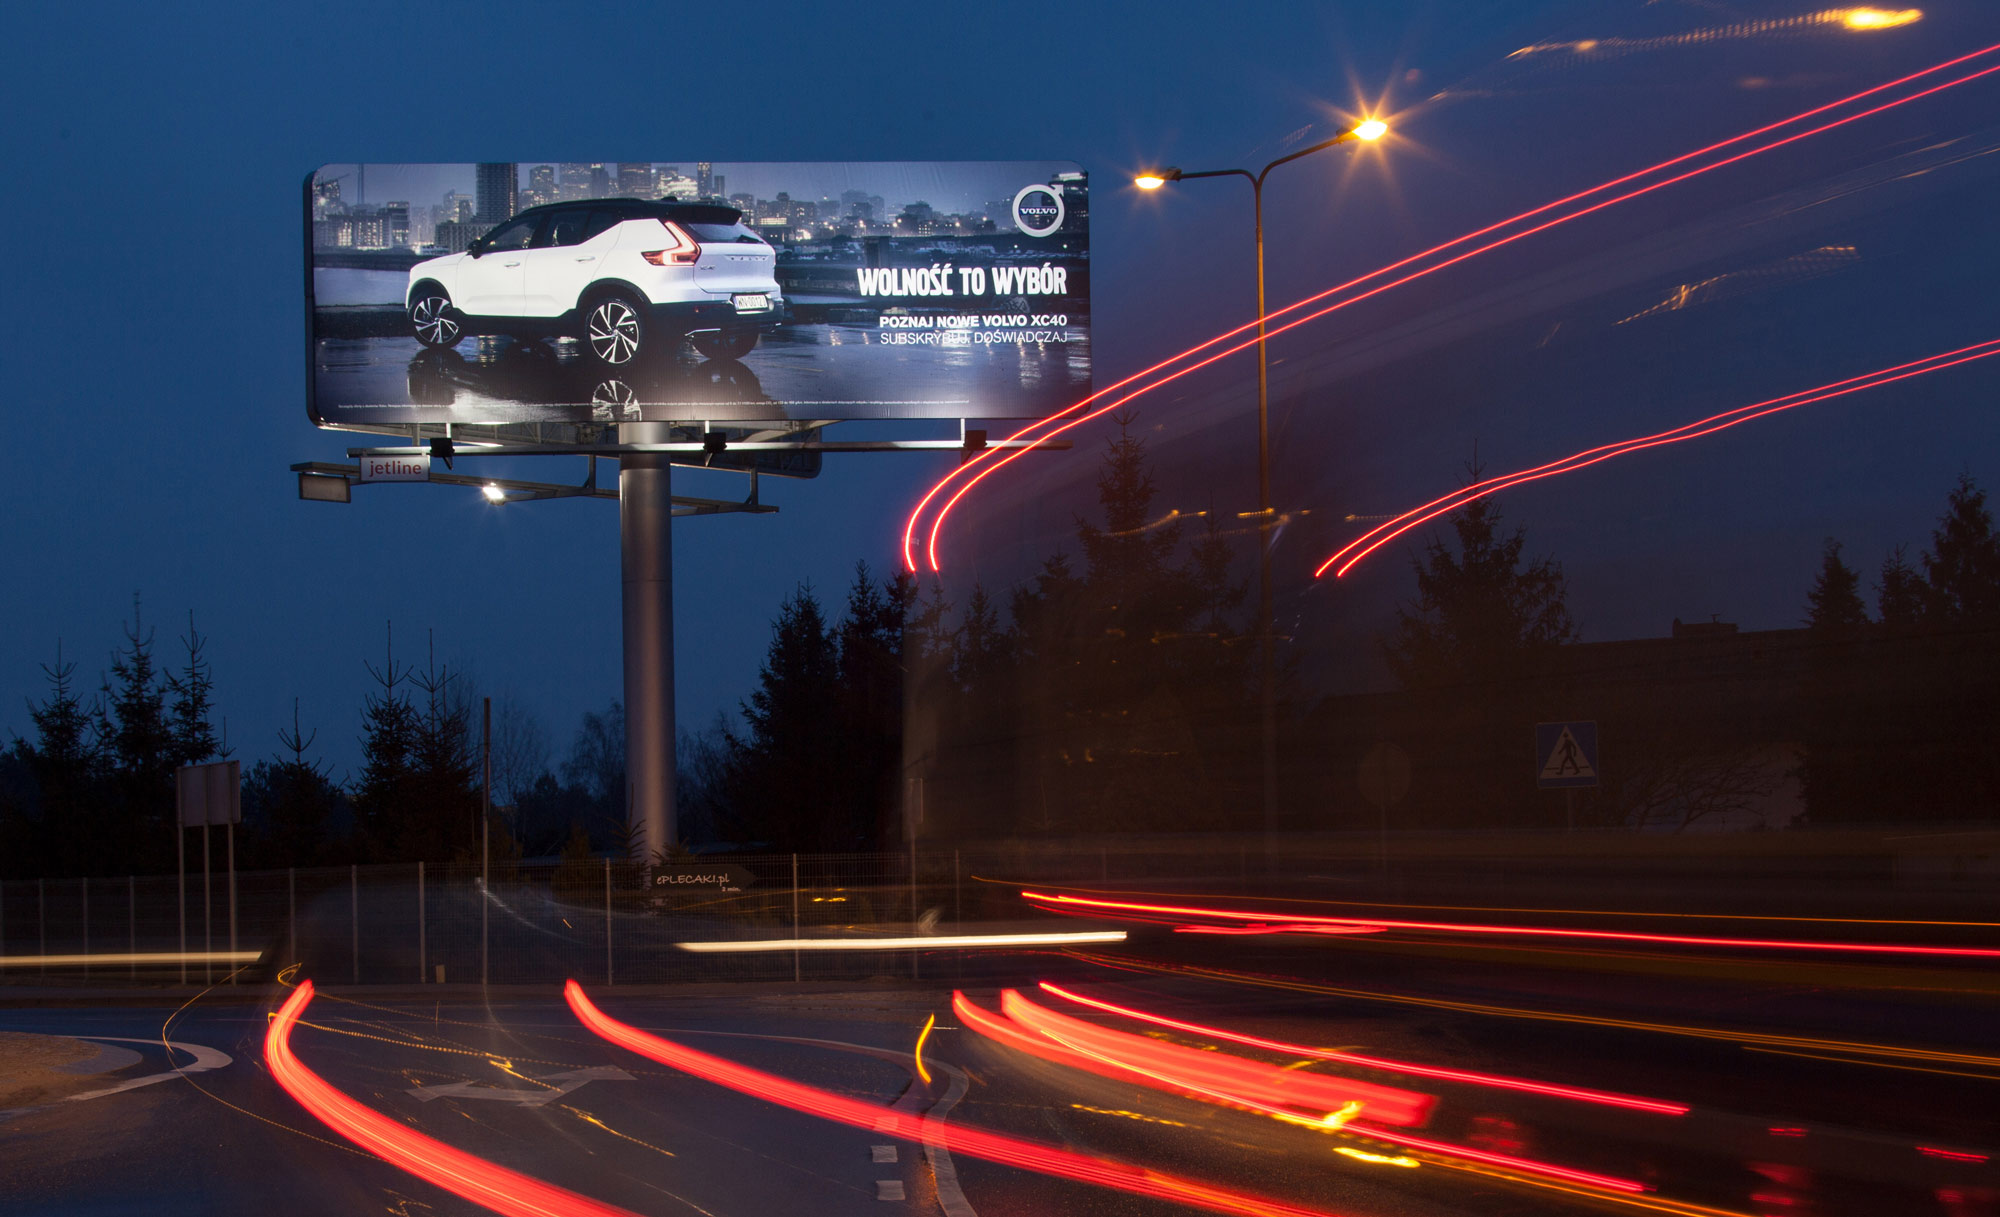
(626, 277)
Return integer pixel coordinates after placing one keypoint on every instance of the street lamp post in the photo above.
(1267, 656)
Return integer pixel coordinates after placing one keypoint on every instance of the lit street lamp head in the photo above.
(1879, 19)
(493, 493)
(1371, 130)
(1153, 179)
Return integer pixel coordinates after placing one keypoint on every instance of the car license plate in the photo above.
(753, 302)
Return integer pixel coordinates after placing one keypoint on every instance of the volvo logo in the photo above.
(1038, 210)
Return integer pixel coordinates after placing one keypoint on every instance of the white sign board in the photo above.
(395, 468)
(209, 794)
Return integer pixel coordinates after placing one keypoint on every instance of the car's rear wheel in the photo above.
(725, 344)
(431, 320)
(614, 330)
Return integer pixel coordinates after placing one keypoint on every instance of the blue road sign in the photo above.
(1565, 755)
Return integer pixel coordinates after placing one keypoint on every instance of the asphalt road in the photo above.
(1821, 1089)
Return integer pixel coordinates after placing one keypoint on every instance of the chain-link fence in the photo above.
(600, 920)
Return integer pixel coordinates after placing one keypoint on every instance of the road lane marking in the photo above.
(205, 1059)
(889, 1189)
(568, 1081)
(950, 1197)
(883, 1153)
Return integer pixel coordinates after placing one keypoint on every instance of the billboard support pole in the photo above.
(646, 563)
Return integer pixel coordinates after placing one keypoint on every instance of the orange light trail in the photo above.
(959, 1139)
(1749, 1041)
(1307, 924)
(992, 460)
(1225, 1079)
(485, 1183)
(1456, 1075)
(1233, 1078)
(1354, 551)
(1492, 908)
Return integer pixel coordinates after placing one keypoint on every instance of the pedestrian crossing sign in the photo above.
(1565, 755)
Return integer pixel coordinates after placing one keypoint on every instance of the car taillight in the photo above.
(684, 252)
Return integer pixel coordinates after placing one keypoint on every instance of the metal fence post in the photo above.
(181, 890)
(607, 922)
(423, 958)
(795, 916)
(915, 918)
(42, 920)
(354, 916)
(229, 836)
(132, 923)
(292, 914)
(83, 885)
(3, 917)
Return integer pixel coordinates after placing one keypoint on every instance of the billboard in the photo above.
(594, 293)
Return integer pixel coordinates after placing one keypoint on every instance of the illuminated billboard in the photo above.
(593, 293)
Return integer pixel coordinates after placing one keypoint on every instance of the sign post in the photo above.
(204, 795)
(1566, 760)
(1384, 777)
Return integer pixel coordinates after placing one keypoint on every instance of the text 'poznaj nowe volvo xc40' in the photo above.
(625, 277)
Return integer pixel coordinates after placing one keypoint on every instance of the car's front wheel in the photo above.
(431, 320)
(614, 330)
(725, 344)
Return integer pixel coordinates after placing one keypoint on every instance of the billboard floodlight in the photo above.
(493, 493)
(320, 488)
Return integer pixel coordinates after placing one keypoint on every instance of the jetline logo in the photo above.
(395, 468)
(1038, 210)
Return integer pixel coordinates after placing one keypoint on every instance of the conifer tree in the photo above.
(1833, 606)
(193, 737)
(1480, 614)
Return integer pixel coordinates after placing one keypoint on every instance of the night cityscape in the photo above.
(1310, 611)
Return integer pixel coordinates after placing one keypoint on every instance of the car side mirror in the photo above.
(477, 247)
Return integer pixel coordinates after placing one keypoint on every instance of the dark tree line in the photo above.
(1879, 717)
(1111, 691)
(1901, 709)
(92, 790)
(95, 790)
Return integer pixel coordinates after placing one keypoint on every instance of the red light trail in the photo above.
(1354, 551)
(1308, 924)
(1226, 1080)
(994, 1147)
(482, 1182)
(1430, 1071)
(1267, 1088)
(991, 461)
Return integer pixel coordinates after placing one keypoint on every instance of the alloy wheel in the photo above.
(614, 332)
(431, 318)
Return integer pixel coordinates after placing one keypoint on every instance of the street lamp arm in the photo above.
(1324, 144)
(1245, 174)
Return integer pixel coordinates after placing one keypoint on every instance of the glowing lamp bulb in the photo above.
(493, 493)
(1149, 181)
(1879, 19)
(1371, 130)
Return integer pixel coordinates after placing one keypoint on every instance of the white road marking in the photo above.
(205, 1059)
(522, 1096)
(950, 1197)
(883, 1153)
(889, 1189)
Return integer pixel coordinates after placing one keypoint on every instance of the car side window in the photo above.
(602, 221)
(566, 228)
(514, 235)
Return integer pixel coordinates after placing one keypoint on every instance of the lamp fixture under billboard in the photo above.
(594, 293)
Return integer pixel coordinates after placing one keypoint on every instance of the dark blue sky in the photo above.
(153, 331)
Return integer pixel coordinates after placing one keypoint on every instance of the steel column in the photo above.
(646, 559)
